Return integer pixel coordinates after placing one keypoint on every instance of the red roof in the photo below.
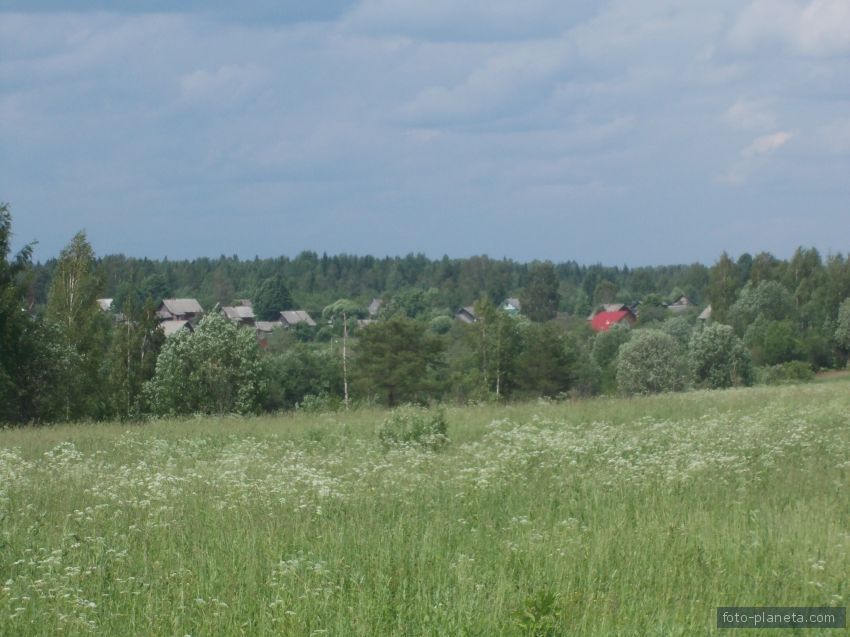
(602, 321)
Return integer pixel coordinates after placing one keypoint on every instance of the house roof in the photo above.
(466, 314)
(172, 327)
(705, 314)
(293, 317)
(513, 303)
(238, 312)
(105, 304)
(375, 306)
(267, 326)
(682, 304)
(602, 321)
(178, 307)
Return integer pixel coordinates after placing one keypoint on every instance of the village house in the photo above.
(612, 314)
(705, 314)
(375, 307)
(512, 306)
(179, 310)
(466, 314)
(239, 314)
(172, 327)
(290, 318)
(681, 305)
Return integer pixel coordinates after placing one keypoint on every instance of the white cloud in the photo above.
(819, 27)
(501, 79)
(750, 115)
(767, 144)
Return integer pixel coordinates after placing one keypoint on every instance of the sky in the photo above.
(600, 131)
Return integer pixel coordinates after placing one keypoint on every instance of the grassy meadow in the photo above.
(598, 517)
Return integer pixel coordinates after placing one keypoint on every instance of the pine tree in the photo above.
(540, 296)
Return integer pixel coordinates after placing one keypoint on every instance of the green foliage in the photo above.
(539, 615)
(412, 425)
(398, 358)
(651, 310)
(319, 404)
(605, 349)
(408, 303)
(680, 328)
(496, 340)
(216, 370)
(300, 370)
(271, 298)
(605, 292)
(723, 285)
(136, 343)
(16, 327)
(768, 299)
(84, 330)
(842, 328)
(771, 342)
(546, 364)
(606, 345)
(718, 358)
(540, 296)
(651, 362)
(441, 324)
(791, 372)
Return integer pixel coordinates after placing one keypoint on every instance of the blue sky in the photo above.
(618, 132)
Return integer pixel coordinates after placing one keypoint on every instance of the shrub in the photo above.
(785, 373)
(319, 403)
(719, 359)
(414, 425)
(651, 362)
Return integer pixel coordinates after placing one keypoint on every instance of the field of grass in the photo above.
(598, 517)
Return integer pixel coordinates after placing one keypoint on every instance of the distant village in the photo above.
(176, 315)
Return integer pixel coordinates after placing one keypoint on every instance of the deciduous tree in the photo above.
(215, 370)
(718, 358)
(72, 308)
(651, 362)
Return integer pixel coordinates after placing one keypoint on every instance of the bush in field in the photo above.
(216, 370)
(785, 373)
(414, 425)
(651, 362)
(719, 359)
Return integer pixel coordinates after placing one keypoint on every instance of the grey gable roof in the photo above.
(293, 317)
(179, 307)
(238, 312)
(173, 327)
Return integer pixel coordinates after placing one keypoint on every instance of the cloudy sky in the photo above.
(660, 131)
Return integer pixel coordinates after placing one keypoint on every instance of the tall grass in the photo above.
(598, 517)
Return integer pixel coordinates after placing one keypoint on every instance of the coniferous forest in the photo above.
(65, 358)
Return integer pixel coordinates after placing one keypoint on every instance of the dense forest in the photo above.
(63, 358)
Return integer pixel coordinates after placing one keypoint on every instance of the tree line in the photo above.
(64, 359)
